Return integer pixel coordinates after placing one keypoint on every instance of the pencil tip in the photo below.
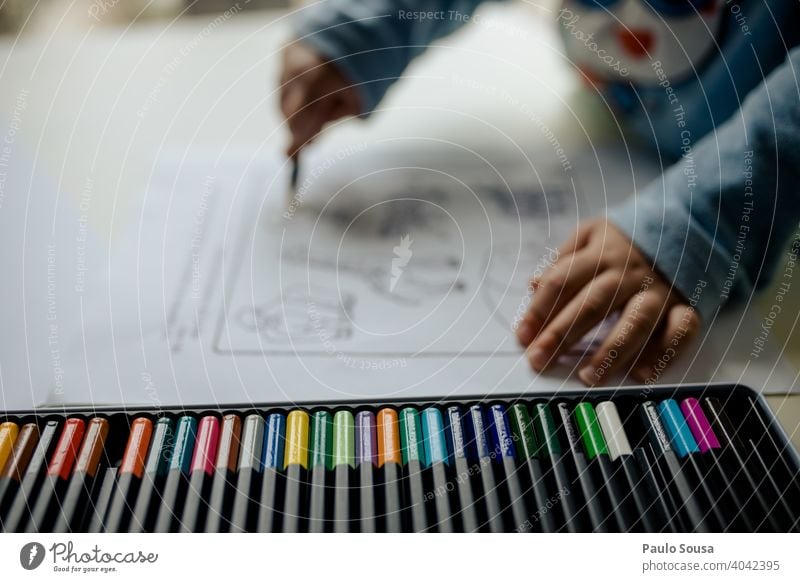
(295, 172)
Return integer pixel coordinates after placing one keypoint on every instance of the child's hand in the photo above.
(313, 93)
(598, 272)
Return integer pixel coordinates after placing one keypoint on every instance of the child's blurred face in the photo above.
(632, 35)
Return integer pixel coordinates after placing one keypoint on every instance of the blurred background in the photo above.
(43, 16)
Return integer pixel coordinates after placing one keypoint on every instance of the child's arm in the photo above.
(714, 224)
(349, 52)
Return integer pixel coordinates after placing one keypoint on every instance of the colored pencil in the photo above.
(8, 434)
(344, 461)
(224, 478)
(550, 448)
(390, 463)
(688, 452)
(651, 515)
(14, 471)
(78, 491)
(296, 466)
(48, 501)
(366, 463)
(35, 476)
(596, 506)
(130, 476)
(720, 475)
(173, 493)
(273, 484)
(155, 472)
(248, 482)
(654, 469)
(596, 449)
(201, 474)
(413, 465)
(489, 506)
(686, 505)
(505, 460)
(537, 482)
(463, 458)
(320, 465)
(437, 462)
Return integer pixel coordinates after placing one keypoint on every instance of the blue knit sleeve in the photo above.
(717, 221)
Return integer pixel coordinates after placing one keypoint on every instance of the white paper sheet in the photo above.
(405, 281)
(387, 277)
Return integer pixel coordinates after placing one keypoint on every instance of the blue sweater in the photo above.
(717, 221)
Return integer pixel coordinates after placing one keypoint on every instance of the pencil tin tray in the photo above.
(693, 458)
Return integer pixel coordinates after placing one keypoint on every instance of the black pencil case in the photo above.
(562, 472)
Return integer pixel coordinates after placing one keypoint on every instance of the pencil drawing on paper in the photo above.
(385, 275)
(422, 278)
(528, 203)
(390, 218)
(300, 317)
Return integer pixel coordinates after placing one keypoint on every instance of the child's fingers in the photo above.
(344, 102)
(578, 240)
(295, 107)
(308, 122)
(555, 289)
(636, 325)
(589, 307)
(308, 110)
(681, 325)
(530, 325)
(292, 99)
(302, 127)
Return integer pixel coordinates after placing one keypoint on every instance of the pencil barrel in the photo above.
(220, 503)
(394, 501)
(270, 509)
(370, 504)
